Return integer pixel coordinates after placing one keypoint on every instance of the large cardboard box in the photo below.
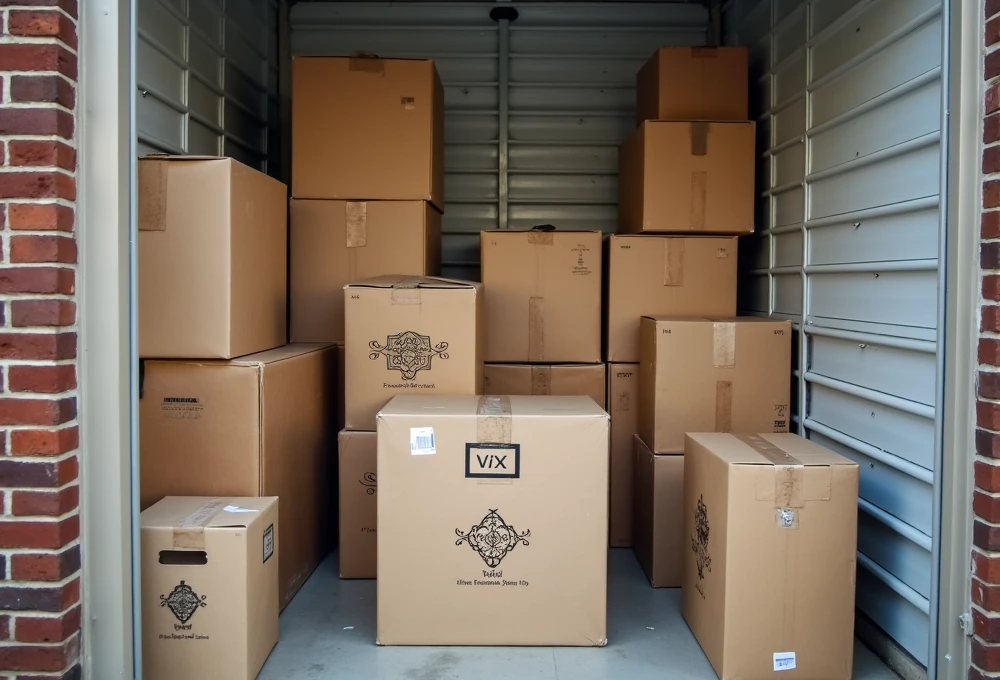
(410, 334)
(334, 243)
(659, 515)
(623, 406)
(693, 83)
(358, 504)
(770, 522)
(492, 521)
(668, 275)
(544, 299)
(261, 425)
(209, 587)
(687, 178)
(712, 375)
(212, 258)
(547, 379)
(367, 129)
(341, 383)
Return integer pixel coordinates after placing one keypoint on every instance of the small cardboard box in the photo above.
(623, 406)
(770, 525)
(492, 521)
(547, 379)
(367, 129)
(712, 375)
(693, 83)
(659, 515)
(212, 258)
(209, 587)
(358, 504)
(687, 178)
(667, 275)
(544, 300)
(261, 425)
(334, 243)
(410, 334)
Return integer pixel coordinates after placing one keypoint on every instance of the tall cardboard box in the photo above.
(770, 525)
(341, 383)
(261, 425)
(212, 258)
(209, 587)
(358, 504)
(544, 299)
(687, 178)
(336, 242)
(667, 275)
(369, 129)
(547, 379)
(493, 520)
(410, 334)
(659, 515)
(712, 375)
(623, 406)
(693, 83)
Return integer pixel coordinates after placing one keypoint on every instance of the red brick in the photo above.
(989, 351)
(44, 280)
(49, 598)
(74, 673)
(41, 217)
(54, 346)
(47, 658)
(986, 627)
(985, 568)
(42, 535)
(992, 7)
(49, 89)
(991, 128)
(45, 567)
(44, 442)
(38, 57)
(987, 478)
(45, 503)
(51, 24)
(44, 379)
(991, 65)
(987, 444)
(992, 33)
(36, 411)
(36, 184)
(991, 192)
(986, 506)
(57, 629)
(68, 6)
(989, 385)
(986, 595)
(991, 159)
(990, 225)
(986, 657)
(985, 536)
(38, 473)
(991, 286)
(4, 627)
(42, 152)
(25, 313)
(46, 248)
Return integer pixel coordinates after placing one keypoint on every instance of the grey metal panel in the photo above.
(900, 372)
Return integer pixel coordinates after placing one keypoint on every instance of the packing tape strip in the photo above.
(788, 483)
(541, 380)
(356, 221)
(723, 406)
(189, 533)
(367, 63)
(699, 200)
(536, 328)
(493, 421)
(406, 291)
(673, 262)
(540, 238)
(724, 344)
(152, 197)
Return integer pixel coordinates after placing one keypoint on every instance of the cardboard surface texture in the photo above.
(366, 129)
(693, 83)
(712, 375)
(209, 587)
(341, 381)
(665, 275)
(410, 334)
(659, 515)
(493, 520)
(623, 406)
(261, 425)
(770, 525)
(358, 504)
(334, 243)
(687, 178)
(544, 300)
(546, 379)
(212, 258)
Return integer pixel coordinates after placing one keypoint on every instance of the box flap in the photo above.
(399, 281)
(540, 231)
(717, 237)
(177, 157)
(358, 55)
(192, 512)
(767, 449)
(469, 405)
(277, 354)
(660, 318)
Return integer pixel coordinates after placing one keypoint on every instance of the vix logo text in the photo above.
(493, 461)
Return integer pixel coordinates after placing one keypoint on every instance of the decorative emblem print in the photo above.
(492, 538)
(183, 602)
(368, 481)
(699, 542)
(408, 353)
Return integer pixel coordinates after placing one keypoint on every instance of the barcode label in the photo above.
(268, 542)
(422, 441)
(784, 661)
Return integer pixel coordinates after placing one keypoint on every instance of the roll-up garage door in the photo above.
(848, 100)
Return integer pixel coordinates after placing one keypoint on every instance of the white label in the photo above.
(268, 542)
(784, 661)
(422, 441)
(236, 508)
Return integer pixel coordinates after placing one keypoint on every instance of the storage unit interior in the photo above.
(847, 95)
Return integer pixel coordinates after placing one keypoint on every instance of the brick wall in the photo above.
(39, 491)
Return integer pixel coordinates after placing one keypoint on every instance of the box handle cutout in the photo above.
(184, 558)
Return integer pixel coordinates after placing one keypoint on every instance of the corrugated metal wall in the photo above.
(849, 100)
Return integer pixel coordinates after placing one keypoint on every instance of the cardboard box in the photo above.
(659, 515)
(514, 549)
(547, 379)
(769, 574)
(209, 587)
(623, 406)
(341, 380)
(693, 83)
(334, 243)
(367, 129)
(666, 275)
(261, 425)
(687, 178)
(212, 258)
(358, 504)
(712, 375)
(544, 300)
(410, 334)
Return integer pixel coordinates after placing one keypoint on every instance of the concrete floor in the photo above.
(328, 631)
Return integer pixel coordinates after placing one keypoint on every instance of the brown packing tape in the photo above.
(406, 291)
(724, 344)
(699, 138)
(493, 421)
(673, 262)
(699, 200)
(541, 380)
(704, 52)
(367, 64)
(152, 197)
(189, 533)
(536, 329)
(788, 484)
(723, 406)
(356, 220)
(540, 238)
(774, 454)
